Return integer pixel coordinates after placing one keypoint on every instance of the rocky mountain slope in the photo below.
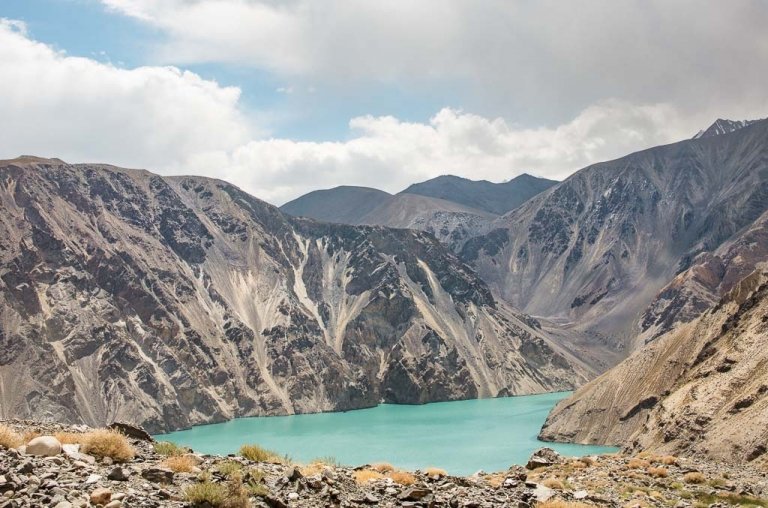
(722, 126)
(344, 205)
(177, 301)
(595, 250)
(701, 389)
(496, 198)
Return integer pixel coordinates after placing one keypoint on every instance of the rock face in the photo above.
(700, 389)
(595, 249)
(169, 302)
(722, 126)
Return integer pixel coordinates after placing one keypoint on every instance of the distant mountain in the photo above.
(497, 198)
(722, 126)
(342, 205)
(596, 249)
(174, 301)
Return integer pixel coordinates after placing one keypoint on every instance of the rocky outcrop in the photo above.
(700, 389)
(177, 301)
(594, 250)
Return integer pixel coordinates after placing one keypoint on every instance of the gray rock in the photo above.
(46, 446)
(543, 457)
(158, 475)
(415, 494)
(118, 474)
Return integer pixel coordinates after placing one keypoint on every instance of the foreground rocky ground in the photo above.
(149, 474)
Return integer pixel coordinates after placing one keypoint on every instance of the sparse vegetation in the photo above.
(229, 468)
(180, 463)
(553, 483)
(367, 475)
(107, 443)
(435, 471)
(638, 463)
(563, 504)
(256, 453)
(694, 478)
(206, 492)
(658, 472)
(382, 467)
(168, 449)
(69, 437)
(669, 460)
(578, 464)
(9, 438)
(402, 477)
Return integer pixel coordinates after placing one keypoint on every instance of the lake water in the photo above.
(461, 437)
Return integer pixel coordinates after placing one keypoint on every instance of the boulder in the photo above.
(46, 446)
(101, 496)
(118, 474)
(543, 457)
(132, 431)
(415, 494)
(158, 475)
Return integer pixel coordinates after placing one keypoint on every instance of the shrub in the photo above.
(553, 483)
(168, 449)
(229, 468)
(435, 471)
(328, 461)
(637, 463)
(256, 453)
(694, 477)
(563, 504)
(29, 435)
(367, 475)
(107, 443)
(180, 463)
(578, 464)
(205, 492)
(669, 460)
(237, 494)
(69, 437)
(658, 472)
(382, 467)
(9, 438)
(402, 477)
(590, 461)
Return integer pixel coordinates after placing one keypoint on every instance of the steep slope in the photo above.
(343, 205)
(701, 389)
(596, 249)
(712, 275)
(177, 301)
(496, 198)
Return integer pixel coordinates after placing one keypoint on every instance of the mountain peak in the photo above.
(723, 126)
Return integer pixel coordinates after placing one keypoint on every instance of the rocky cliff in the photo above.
(700, 389)
(177, 301)
(594, 250)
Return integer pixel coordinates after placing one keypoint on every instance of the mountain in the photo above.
(699, 390)
(593, 251)
(452, 223)
(496, 198)
(173, 301)
(723, 127)
(344, 205)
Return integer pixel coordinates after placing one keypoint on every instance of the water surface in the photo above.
(461, 437)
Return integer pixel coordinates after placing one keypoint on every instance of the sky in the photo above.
(281, 97)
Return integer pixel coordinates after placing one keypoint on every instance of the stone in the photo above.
(132, 431)
(370, 499)
(25, 468)
(158, 475)
(543, 457)
(415, 494)
(45, 446)
(101, 496)
(63, 504)
(293, 496)
(93, 478)
(113, 504)
(580, 494)
(294, 474)
(543, 494)
(118, 474)
(195, 458)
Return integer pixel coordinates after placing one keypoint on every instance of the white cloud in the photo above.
(174, 122)
(544, 60)
(81, 109)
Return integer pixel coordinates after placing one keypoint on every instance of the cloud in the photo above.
(81, 109)
(545, 60)
(174, 122)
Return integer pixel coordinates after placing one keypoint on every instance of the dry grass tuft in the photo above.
(69, 437)
(638, 463)
(563, 504)
(367, 475)
(29, 435)
(435, 471)
(9, 438)
(168, 449)
(658, 472)
(229, 468)
(180, 463)
(204, 493)
(402, 477)
(382, 467)
(553, 483)
(669, 460)
(579, 464)
(590, 461)
(258, 454)
(694, 477)
(107, 443)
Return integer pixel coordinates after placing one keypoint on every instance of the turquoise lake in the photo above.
(461, 437)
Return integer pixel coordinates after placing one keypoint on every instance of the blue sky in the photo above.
(283, 97)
